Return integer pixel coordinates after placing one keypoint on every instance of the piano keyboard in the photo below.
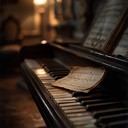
(83, 110)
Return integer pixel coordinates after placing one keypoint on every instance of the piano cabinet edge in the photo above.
(43, 105)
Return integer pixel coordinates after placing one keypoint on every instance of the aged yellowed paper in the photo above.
(81, 79)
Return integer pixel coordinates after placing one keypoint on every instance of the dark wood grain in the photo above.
(17, 108)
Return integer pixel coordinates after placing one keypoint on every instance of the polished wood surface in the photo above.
(17, 108)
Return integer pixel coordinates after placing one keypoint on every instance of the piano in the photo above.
(105, 106)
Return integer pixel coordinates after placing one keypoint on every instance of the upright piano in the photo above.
(105, 106)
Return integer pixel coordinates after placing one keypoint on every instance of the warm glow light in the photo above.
(59, 1)
(40, 2)
(43, 42)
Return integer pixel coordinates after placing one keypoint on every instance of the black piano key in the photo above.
(55, 69)
(117, 124)
(112, 118)
(49, 69)
(92, 97)
(53, 74)
(77, 94)
(96, 101)
(113, 111)
(58, 77)
(59, 72)
(101, 106)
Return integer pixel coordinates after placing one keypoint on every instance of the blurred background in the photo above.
(50, 19)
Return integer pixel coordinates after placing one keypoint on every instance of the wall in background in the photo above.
(24, 11)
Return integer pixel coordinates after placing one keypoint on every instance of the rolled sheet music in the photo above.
(81, 79)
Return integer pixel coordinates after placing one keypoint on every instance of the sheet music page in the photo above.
(105, 24)
(122, 47)
(81, 79)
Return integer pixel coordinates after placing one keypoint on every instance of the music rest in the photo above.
(106, 26)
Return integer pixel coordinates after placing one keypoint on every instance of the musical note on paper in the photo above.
(105, 25)
(81, 79)
(122, 47)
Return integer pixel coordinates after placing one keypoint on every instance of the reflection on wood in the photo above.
(17, 108)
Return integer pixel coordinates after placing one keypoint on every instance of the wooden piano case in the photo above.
(115, 82)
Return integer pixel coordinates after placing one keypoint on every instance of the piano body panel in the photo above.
(117, 85)
(115, 82)
(51, 115)
(65, 58)
(35, 51)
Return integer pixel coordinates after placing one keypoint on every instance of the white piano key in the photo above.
(65, 98)
(83, 118)
(85, 124)
(61, 95)
(73, 107)
(74, 111)
(65, 101)
(78, 114)
(69, 104)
